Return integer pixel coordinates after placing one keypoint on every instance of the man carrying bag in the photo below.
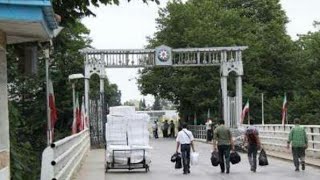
(299, 142)
(185, 140)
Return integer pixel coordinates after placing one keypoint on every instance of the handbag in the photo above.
(235, 158)
(263, 159)
(215, 161)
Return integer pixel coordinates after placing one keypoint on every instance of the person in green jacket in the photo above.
(299, 142)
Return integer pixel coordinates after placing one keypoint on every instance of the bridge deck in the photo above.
(162, 169)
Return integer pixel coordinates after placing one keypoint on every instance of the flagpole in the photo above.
(249, 117)
(262, 108)
(47, 57)
(286, 112)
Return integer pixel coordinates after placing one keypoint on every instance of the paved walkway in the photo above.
(162, 169)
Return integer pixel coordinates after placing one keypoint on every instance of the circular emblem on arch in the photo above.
(163, 55)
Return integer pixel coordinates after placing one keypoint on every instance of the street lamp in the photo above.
(71, 78)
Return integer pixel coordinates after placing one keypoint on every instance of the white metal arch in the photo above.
(228, 58)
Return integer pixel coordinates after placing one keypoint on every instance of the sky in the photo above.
(126, 27)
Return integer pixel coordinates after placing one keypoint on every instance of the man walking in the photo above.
(252, 141)
(155, 129)
(223, 142)
(209, 130)
(165, 128)
(299, 143)
(185, 140)
(172, 129)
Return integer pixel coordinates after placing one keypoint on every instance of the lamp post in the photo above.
(71, 78)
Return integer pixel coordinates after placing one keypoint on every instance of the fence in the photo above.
(62, 158)
(274, 137)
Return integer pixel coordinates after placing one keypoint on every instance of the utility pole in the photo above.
(49, 133)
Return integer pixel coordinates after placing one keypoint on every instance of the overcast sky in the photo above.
(127, 26)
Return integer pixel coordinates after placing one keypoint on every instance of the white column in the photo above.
(239, 99)
(101, 85)
(4, 115)
(224, 89)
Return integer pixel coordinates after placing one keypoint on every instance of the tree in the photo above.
(156, 104)
(73, 10)
(259, 24)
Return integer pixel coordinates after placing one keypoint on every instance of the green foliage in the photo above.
(28, 100)
(73, 10)
(142, 105)
(156, 104)
(268, 63)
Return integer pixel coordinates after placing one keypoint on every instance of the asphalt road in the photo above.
(162, 169)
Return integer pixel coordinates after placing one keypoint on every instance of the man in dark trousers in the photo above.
(252, 141)
(299, 142)
(185, 140)
(165, 128)
(172, 129)
(223, 142)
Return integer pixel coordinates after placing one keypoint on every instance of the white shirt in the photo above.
(208, 124)
(183, 138)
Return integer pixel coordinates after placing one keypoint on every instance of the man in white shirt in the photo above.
(185, 140)
(209, 130)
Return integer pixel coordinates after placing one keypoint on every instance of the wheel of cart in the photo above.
(147, 168)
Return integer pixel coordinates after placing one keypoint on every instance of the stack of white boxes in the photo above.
(127, 130)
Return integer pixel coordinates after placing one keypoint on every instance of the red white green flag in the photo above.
(53, 111)
(244, 112)
(284, 110)
(76, 119)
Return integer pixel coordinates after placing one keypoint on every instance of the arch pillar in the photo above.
(229, 64)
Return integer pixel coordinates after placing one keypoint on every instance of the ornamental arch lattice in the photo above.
(228, 58)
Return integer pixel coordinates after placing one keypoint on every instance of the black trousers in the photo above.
(298, 153)
(209, 134)
(224, 156)
(185, 152)
(252, 155)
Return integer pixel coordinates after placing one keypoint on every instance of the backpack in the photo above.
(252, 136)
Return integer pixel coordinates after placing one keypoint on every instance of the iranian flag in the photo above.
(53, 111)
(244, 112)
(284, 109)
(75, 119)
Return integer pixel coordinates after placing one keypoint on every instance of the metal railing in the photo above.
(273, 136)
(62, 158)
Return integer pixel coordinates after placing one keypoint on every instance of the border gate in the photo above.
(228, 58)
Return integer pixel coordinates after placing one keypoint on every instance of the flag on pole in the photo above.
(244, 112)
(53, 110)
(75, 119)
(78, 115)
(83, 116)
(284, 109)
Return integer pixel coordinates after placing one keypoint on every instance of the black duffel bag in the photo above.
(263, 159)
(215, 158)
(235, 158)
